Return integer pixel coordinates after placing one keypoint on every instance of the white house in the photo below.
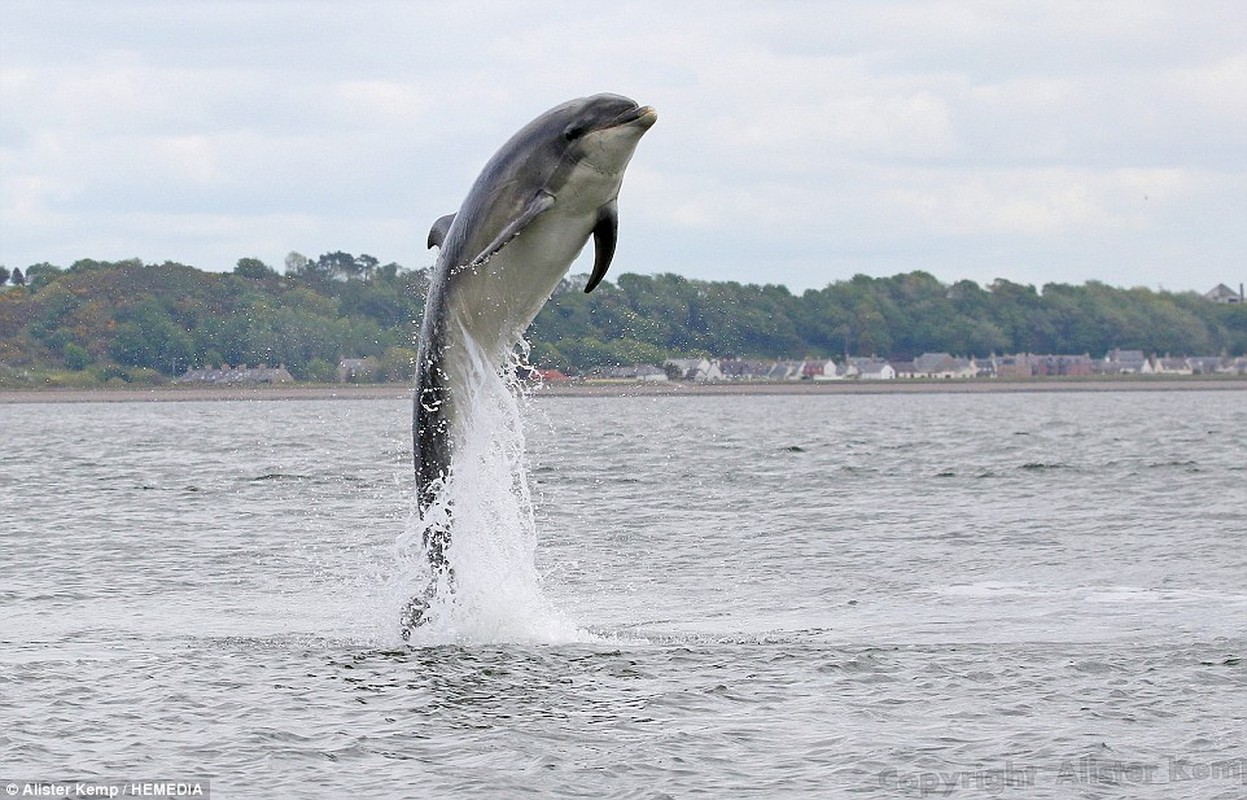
(786, 371)
(227, 375)
(1224, 294)
(870, 369)
(646, 373)
(1174, 366)
(735, 369)
(696, 369)
(1127, 362)
(877, 371)
(943, 365)
(831, 371)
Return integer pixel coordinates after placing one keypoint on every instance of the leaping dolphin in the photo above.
(526, 218)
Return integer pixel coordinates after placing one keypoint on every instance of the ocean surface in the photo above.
(936, 595)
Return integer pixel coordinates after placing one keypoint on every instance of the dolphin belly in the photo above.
(497, 301)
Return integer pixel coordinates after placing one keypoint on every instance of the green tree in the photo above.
(544, 355)
(76, 357)
(339, 265)
(317, 370)
(296, 263)
(366, 266)
(398, 364)
(38, 275)
(149, 338)
(253, 268)
(1018, 311)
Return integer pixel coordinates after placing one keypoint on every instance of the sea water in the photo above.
(983, 595)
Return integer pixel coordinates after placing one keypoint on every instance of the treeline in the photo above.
(132, 321)
(645, 318)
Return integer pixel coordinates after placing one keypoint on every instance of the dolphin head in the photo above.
(604, 129)
(568, 163)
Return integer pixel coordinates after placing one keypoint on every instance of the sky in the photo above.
(798, 143)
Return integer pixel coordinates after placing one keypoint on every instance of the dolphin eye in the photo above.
(575, 131)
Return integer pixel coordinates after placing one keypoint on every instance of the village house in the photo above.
(1173, 366)
(737, 369)
(876, 371)
(646, 373)
(870, 369)
(1017, 365)
(1125, 362)
(695, 369)
(356, 370)
(903, 369)
(831, 371)
(225, 375)
(940, 366)
(1210, 365)
(541, 376)
(1205, 365)
(1062, 365)
(943, 365)
(1026, 365)
(786, 371)
(1224, 294)
(819, 370)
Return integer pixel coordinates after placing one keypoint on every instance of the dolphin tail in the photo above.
(415, 613)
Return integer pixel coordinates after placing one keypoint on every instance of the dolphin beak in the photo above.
(645, 116)
(640, 117)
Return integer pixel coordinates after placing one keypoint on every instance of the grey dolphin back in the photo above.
(430, 420)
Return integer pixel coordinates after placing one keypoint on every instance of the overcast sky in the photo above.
(797, 142)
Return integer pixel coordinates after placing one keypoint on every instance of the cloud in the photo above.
(819, 138)
(1035, 203)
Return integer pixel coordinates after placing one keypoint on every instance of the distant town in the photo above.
(928, 366)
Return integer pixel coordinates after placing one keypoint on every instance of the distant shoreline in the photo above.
(627, 389)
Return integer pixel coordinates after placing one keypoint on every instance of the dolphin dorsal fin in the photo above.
(605, 235)
(437, 234)
(541, 201)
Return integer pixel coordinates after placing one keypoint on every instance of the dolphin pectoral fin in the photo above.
(605, 235)
(541, 201)
(437, 234)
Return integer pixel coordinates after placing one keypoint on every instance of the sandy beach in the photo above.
(623, 388)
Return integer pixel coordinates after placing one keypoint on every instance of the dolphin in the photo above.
(534, 207)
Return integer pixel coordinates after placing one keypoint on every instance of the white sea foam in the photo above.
(495, 593)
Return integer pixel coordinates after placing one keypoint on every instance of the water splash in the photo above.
(492, 591)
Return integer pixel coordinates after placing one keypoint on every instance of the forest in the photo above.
(126, 321)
